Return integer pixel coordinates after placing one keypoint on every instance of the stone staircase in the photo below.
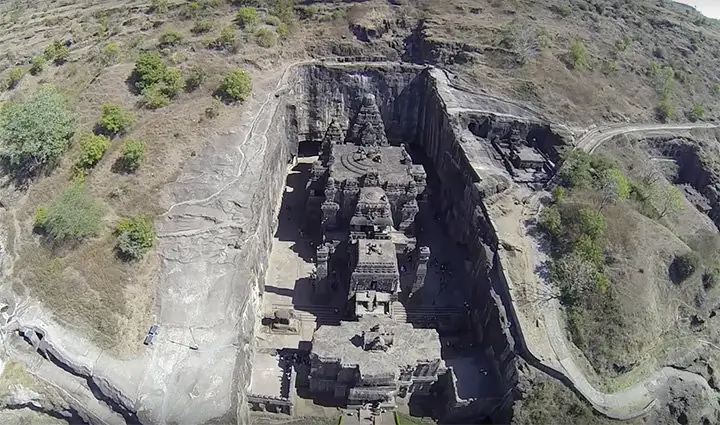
(426, 315)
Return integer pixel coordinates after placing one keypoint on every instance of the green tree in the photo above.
(551, 221)
(613, 185)
(74, 215)
(133, 154)
(92, 149)
(115, 119)
(576, 169)
(589, 249)
(669, 200)
(237, 85)
(135, 237)
(149, 70)
(667, 110)
(592, 223)
(35, 132)
(246, 17)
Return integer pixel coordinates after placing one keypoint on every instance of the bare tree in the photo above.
(670, 200)
(522, 39)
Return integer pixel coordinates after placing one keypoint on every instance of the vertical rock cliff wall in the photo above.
(461, 206)
(335, 93)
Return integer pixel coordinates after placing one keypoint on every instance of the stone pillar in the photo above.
(421, 270)
(409, 211)
(329, 216)
(322, 270)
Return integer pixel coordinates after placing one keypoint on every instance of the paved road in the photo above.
(638, 399)
(594, 137)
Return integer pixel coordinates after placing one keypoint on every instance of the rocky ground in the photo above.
(577, 61)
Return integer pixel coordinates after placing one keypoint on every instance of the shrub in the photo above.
(715, 88)
(37, 65)
(92, 149)
(195, 78)
(710, 278)
(159, 6)
(226, 40)
(170, 38)
(192, 10)
(14, 77)
(57, 52)
(73, 215)
(246, 17)
(266, 37)
(149, 70)
(283, 30)
(666, 110)
(561, 10)
(115, 119)
(683, 266)
(610, 67)
(172, 83)
(273, 20)
(214, 110)
(202, 27)
(41, 214)
(623, 44)
(35, 132)
(135, 237)
(237, 85)
(696, 113)
(111, 52)
(133, 154)
(579, 57)
(154, 98)
(285, 10)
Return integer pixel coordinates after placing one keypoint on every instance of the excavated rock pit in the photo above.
(217, 232)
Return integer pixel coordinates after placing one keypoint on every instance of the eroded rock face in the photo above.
(687, 401)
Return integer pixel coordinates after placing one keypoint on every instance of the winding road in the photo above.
(637, 400)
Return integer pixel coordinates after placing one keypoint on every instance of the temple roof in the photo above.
(409, 346)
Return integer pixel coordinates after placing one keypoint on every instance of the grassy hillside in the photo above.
(579, 61)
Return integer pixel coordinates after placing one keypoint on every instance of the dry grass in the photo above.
(648, 326)
(14, 374)
(86, 286)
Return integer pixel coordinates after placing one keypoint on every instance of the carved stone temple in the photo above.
(366, 194)
(374, 360)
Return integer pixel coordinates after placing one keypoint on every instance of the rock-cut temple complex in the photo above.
(366, 195)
